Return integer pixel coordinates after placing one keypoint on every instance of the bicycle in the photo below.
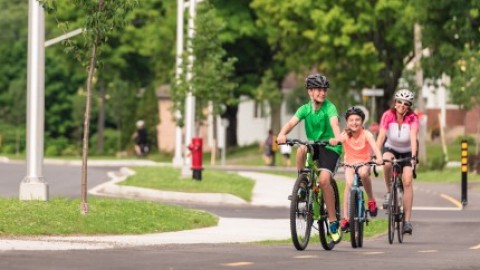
(396, 217)
(357, 212)
(307, 204)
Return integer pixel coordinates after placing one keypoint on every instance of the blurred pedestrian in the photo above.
(270, 146)
(140, 138)
(286, 151)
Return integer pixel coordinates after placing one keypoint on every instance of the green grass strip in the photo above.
(61, 216)
(169, 179)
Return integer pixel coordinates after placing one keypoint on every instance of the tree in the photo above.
(451, 35)
(212, 70)
(355, 43)
(101, 19)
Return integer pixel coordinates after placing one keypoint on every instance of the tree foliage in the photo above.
(356, 44)
(452, 35)
(211, 74)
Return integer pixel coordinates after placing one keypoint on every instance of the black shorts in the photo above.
(326, 159)
(398, 155)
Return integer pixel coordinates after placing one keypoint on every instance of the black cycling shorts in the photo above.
(326, 159)
(398, 155)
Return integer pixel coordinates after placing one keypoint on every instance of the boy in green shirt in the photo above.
(321, 124)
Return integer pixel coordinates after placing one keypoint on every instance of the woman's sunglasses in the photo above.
(408, 104)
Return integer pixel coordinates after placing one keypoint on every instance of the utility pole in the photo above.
(34, 186)
(178, 158)
(417, 39)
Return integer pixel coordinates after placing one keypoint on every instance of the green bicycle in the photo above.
(307, 204)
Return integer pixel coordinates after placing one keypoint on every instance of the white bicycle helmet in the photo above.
(140, 123)
(405, 95)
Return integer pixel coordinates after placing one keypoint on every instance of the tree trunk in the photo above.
(101, 118)
(86, 126)
(231, 115)
(275, 112)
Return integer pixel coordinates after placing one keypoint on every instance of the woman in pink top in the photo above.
(398, 136)
(358, 145)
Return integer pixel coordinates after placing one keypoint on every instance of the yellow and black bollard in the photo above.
(464, 171)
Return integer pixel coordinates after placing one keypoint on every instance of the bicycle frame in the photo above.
(357, 211)
(396, 217)
(312, 208)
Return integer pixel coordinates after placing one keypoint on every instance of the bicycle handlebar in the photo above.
(400, 160)
(292, 142)
(356, 166)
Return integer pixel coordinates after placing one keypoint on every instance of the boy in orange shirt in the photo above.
(358, 145)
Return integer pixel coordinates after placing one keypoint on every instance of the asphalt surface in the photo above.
(270, 192)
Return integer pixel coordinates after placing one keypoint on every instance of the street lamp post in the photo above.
(34, 186)
(190, 99)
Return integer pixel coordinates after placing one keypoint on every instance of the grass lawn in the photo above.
(169, 178)
(60, 216)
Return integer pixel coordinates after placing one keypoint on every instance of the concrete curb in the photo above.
(112, 189)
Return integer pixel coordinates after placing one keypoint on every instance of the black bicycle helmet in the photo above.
(316, 81)
(355, 110)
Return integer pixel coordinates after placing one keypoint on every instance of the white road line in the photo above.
(475, 247)
(432, 208)
(373, 252)
(428, 251)
(306, 257)
(236, 264)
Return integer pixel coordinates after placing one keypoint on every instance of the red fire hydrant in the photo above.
(196, 148)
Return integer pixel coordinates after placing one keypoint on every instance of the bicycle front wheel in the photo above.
(392, 209)
(328, 243)
(300, 213)
(354, 219)
(400, 216)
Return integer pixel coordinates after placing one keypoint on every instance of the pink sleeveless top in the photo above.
(357, 150)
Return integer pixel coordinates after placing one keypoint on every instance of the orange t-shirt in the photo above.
(357, 150)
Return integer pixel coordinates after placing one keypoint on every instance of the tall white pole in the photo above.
(33, 186)
(177, 158)
(190, 100)
(422, 152)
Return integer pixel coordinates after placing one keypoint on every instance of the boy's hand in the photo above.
(333, 141)
(281, 139)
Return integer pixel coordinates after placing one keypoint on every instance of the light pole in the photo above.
(190, 99)
(34, 186)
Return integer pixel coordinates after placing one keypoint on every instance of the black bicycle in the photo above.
(357, 212)
(396, 216)
(308, 205)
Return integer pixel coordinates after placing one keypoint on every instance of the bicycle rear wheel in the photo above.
(300, 213)
(400, 216)
(323, 226)
(392, 209)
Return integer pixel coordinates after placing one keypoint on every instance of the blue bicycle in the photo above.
(357, 213)
(308, 205)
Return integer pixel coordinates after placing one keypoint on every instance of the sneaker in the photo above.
(334, 227)
(407, 228)
(372, 207)
(345, 225)
(386, 202)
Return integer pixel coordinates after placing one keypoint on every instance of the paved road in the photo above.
(444, 238)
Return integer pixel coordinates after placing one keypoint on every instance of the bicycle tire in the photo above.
(323, 226)
(301, 218)
(362, 217)
(400, 215)
(391, 214)
(353, 218)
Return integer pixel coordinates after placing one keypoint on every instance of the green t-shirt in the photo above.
(317, 123)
